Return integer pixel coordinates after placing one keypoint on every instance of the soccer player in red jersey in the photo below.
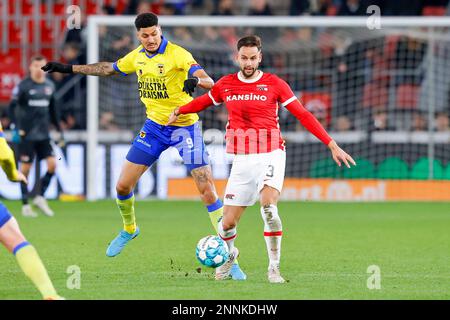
(253, 99)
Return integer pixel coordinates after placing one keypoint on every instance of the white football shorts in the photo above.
(250, 173)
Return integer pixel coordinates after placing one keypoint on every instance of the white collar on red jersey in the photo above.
(243, 79)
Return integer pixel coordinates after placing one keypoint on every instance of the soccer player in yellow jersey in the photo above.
(11, 236)
(167, 76)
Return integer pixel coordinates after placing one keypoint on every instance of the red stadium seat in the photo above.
(434, 11)
(332, 10)
(407, 96)
(375, 96)
(48, 53)
(10, 73)
(121, 6)
(390, 48)
(27, 9)
(11, 7)
(14, 34)
(92, 7)
(47, 35)
(59, 9)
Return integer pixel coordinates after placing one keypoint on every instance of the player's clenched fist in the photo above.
(57, 67)
(190, 84)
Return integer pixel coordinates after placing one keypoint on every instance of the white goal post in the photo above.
(409, 24)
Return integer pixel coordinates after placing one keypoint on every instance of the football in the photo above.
(212, 251)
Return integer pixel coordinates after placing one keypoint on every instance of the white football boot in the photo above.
(273, 274)
(42, 204)
(27, 211)
(223, 272)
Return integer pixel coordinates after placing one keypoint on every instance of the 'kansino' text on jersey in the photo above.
(253, 107)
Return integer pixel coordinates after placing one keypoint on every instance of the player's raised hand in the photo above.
(190, 84)
(173, 116)
(340, 155)
(57, 67)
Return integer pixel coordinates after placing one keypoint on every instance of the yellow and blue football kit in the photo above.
(161, 78)
(160, 85)
(9, 166)
(26, 255)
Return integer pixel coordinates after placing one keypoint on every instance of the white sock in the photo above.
(272, 233)
(227, 235)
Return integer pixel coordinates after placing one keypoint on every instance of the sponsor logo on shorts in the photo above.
(229, 196)
(144, 143)
(142, 134)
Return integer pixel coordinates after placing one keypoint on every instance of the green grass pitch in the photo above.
(326, 250)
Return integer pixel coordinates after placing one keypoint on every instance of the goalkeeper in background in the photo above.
(11, 236)
(167, 76)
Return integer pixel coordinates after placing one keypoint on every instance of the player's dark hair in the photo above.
(37, 57)
(145, 20)
(249, 41)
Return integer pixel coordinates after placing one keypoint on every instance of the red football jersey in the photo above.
(252, 111)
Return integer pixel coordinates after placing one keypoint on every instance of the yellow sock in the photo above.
(215, 211)
(30, 263)
(126, 208)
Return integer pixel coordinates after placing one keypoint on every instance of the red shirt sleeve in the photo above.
(287, 99)
(196, 105)
(307, 119)
(285, 94)
(216, 92)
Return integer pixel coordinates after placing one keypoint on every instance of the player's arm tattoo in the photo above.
(95, 69)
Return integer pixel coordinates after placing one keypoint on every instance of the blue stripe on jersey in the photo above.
(2, 135)
(115, 67)
(194, 68)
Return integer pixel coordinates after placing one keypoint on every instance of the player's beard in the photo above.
(246, 75)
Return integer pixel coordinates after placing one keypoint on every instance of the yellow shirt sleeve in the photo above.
(126, 64)
(7, 161)
(186, 62)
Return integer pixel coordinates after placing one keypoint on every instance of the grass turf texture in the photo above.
(326, 250)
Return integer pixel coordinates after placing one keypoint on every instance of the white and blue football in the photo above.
(212, 251)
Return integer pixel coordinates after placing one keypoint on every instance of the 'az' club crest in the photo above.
(262, 87)
(142, 134)
(161, 68)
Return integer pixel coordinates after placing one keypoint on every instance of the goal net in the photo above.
(383, 95)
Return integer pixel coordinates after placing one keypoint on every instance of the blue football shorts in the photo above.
(154, 138)
(4, 215)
